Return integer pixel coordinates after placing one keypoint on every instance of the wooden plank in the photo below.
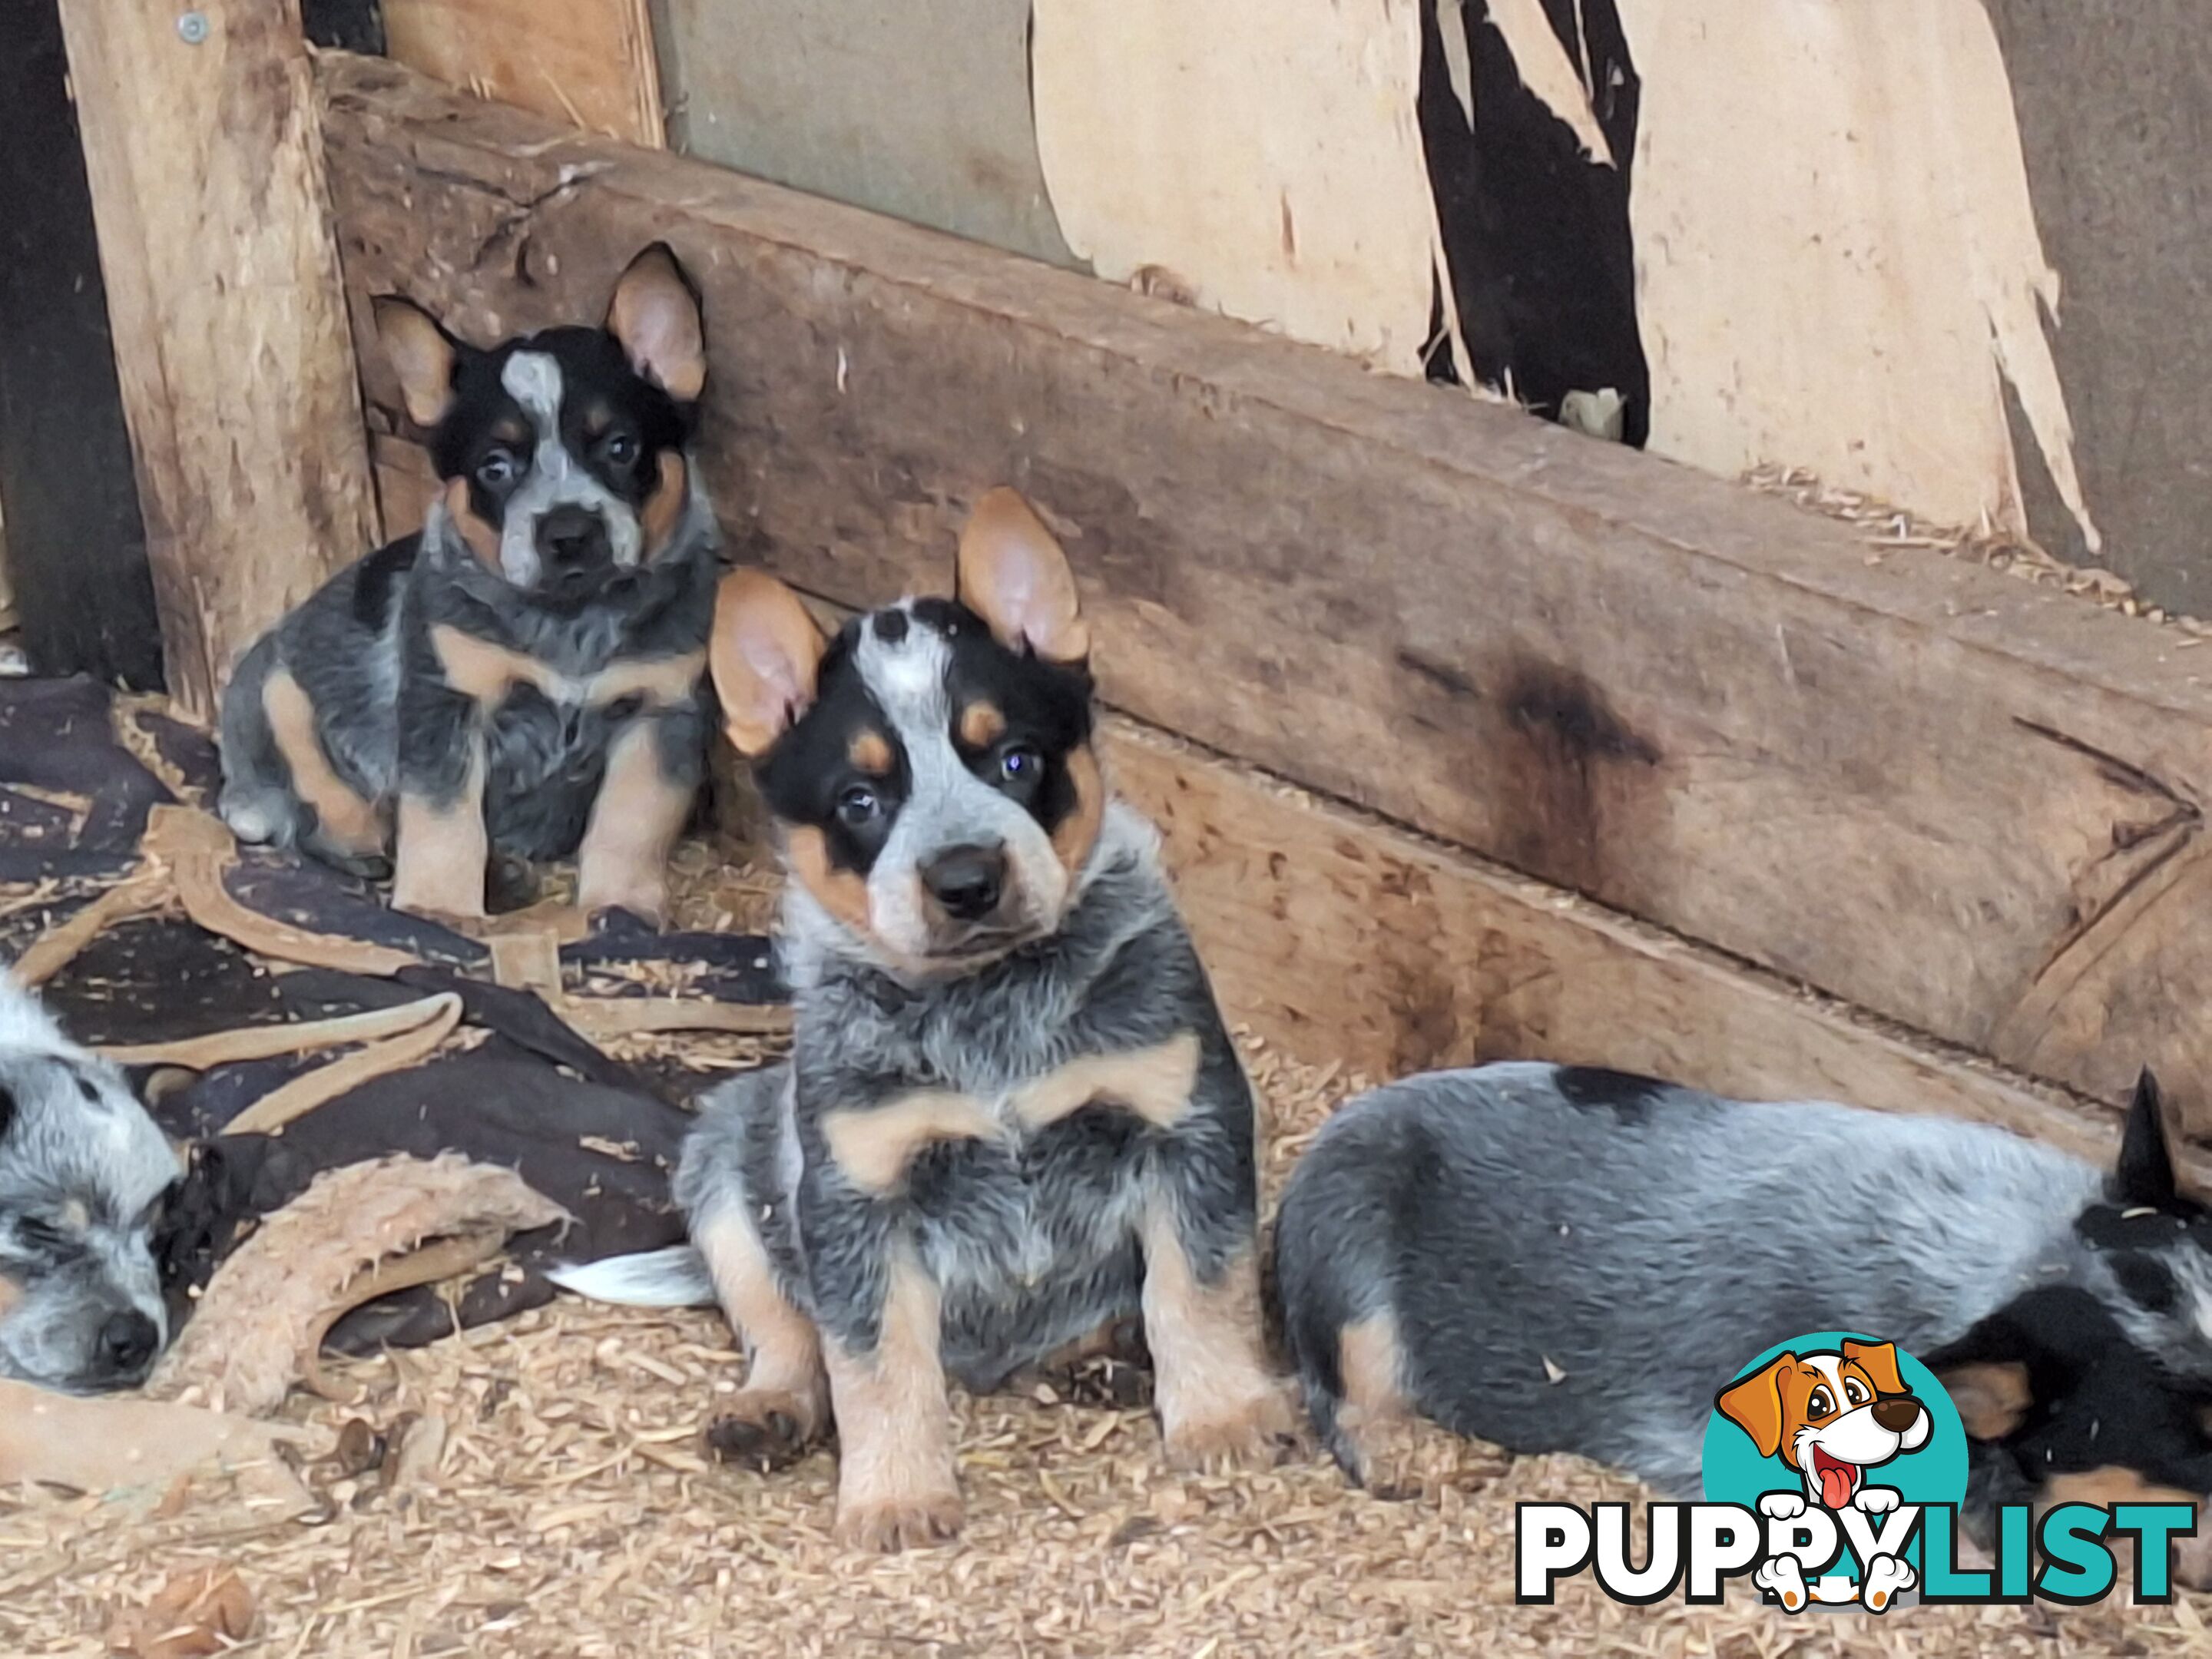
(1336, 937)
(76, 546)
(588, 62)
(1956, 800)
(237, 373)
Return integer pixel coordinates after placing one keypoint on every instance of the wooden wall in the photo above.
(1934, 791)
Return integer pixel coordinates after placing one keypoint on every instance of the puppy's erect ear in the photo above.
(1754, 1405)
(421, 353)
(655, 315)
(2145, 1175)
(1013, 574)
(765, 654)
(1880, 1361)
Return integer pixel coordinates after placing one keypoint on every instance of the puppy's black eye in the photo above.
(1820, 1404)
(1020, 764)
(497, 469)
(1853, 1393)
(620, 449)
(859, 805)
(39, 1235)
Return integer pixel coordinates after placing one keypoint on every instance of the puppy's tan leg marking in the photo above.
(10, 1294)
(485, 670)
(1991, 1397)
(439, 865)
(1220, 1406)
(343, 819)
(635, 821)
(873, 1145)
(1154, 1082)
(784, 1406)
(658, 682)
(897, 1488)
(1399, 1453)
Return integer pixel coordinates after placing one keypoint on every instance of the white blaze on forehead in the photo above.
(533, 380)
(1832, 1369)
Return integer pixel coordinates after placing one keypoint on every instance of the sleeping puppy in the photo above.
(84, 1174)
(1013, 1115)
(524, 677)
(1561, 1259)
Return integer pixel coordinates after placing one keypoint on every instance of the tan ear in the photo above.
(1880, 1359)
(1014, 576)
(764, 655)
(1754, 1405)
(422, 354)
(655, 315)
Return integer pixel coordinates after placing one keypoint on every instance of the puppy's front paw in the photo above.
(766, 1431)
(1876, 1500)
(1782, 1506)
(1886, 1578)
(908, 1521)
(1250, 1433)
(1781, 1576)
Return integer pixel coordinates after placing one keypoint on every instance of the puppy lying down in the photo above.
(83, 1172)
(1561, 1259)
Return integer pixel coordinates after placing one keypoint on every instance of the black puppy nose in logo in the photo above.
(1897, 1411)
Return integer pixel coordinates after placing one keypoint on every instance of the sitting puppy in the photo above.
(1507, 1251)
(525, 676)
(1012, 1114)
(83, 1173)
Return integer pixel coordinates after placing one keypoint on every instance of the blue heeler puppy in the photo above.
(1564, 1259)
(1012, 1114)
(83, 1175)
(524, 677)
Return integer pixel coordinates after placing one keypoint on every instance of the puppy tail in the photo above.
(674, 1278)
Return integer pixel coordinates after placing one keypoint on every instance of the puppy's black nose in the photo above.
(967, 880)
(127, 1342)
(573, 539)
(1897, 1412)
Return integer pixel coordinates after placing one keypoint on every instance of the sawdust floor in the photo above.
(572, 1514)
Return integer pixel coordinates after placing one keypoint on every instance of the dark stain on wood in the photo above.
(1578, 763)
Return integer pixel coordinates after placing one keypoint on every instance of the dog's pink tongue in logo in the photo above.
(1838, 1479)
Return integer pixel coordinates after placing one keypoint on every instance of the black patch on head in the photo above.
(890, 626)
(641, 421)
(1046, 707)
(808, 777)
(376, 580)
(1626, 1095)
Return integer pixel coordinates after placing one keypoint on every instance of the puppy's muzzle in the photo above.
(574, 543)
(125, 1350)
(967, 883)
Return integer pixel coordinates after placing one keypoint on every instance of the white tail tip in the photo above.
(673, 1278)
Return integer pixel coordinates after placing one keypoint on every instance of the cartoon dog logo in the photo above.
(1831, 1417)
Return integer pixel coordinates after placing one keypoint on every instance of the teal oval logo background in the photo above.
(1934, 1474)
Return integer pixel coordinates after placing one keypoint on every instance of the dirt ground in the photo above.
(571, 1513)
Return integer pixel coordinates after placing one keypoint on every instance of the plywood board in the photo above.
(587, 62)
(1931, 790)
(1264, 154)
(921, 110)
